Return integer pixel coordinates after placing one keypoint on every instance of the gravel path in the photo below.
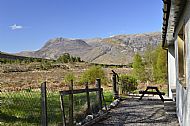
(147, 112)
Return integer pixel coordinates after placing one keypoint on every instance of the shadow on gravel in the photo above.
(146, 112)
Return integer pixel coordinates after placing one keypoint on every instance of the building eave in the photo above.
(172, 10)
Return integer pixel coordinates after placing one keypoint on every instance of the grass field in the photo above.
(21, 98)
(24, 108)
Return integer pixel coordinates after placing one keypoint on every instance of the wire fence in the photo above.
(20, 108)
(78, 104)
(24, 107)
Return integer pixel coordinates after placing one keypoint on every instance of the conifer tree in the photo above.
(138, 68)
(160, 66)
(149, 57)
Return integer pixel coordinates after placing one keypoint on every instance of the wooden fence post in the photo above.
(115, 92)
(63, 110)
(71, 104)
(87, 98)
(44, 104)
(99, 97)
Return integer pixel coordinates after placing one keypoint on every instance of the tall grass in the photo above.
(24, 108)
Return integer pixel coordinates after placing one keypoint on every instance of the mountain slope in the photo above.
(117, 49)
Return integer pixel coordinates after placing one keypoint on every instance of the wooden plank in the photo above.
(104, 102)
(99, 95)
(87, 98)
(152, 87)
(44, 104)
(143, 94)
(71, 122)
(114, 84)
(160, 94)
(77, 91)
(150, 92)
(62, 110)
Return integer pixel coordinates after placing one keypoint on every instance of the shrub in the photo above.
(45, 65)
(92, 73)
(128, 83)
(68, 77)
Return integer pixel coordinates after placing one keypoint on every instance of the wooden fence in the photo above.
(70, 92)
(44, 104)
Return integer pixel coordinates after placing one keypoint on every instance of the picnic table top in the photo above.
(152, 87)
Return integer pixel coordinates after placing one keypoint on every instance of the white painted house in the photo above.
(176, 40)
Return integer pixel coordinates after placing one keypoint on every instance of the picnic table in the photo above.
(157, 92)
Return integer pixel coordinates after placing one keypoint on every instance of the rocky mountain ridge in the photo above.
(118, 49)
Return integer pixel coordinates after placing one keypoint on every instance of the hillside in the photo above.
(11, 57)
(117, 49)
(6, 57)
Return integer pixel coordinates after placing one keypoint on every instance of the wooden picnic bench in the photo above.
(157, 92)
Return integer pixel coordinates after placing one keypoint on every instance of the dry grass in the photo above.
(27, 76)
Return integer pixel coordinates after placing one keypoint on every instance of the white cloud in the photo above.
(15, 27)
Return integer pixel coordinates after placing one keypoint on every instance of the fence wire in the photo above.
(80, 106)
(20, 108)
(53, 107)
(23, 108)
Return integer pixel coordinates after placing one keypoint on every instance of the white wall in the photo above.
(182, 94)
(171, 70)
(187, 38)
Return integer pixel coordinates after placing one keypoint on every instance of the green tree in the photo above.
(17, 61)
(155, 64)
(92, 73)
(149, 58)
(138, 67)
(160, 65)
(65, 58)
(78, 59)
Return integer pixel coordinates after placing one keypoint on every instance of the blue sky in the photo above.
(28, 24)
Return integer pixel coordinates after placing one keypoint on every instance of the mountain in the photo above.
(118, 49)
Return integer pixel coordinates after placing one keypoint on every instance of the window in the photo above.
(182, 57)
